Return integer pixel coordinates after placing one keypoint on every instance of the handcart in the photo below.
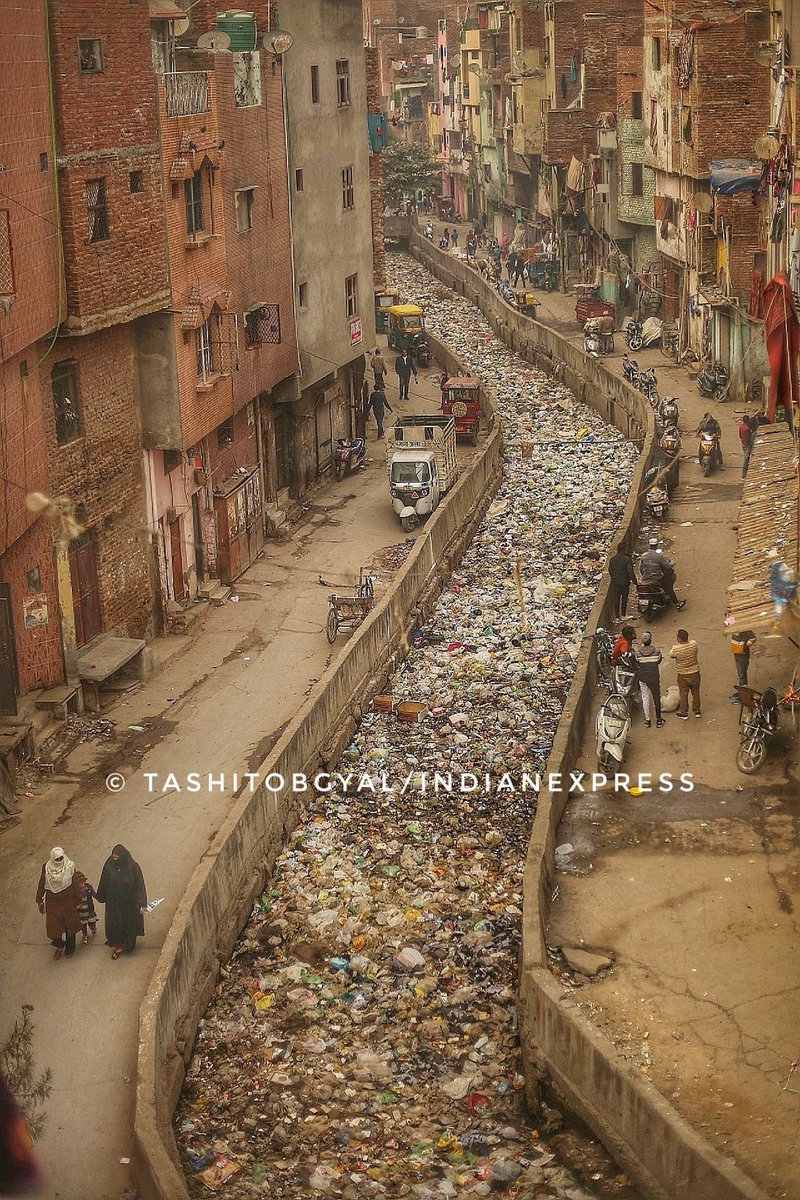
(347, 612)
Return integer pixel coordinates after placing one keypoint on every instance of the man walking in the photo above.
(648, 657)
(378, 364)
(404, 366)
(746, 438)
(620, 568)
(685, 654)
(378, 404)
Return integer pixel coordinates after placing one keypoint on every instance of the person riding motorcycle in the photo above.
(655, 568)
(711, 425)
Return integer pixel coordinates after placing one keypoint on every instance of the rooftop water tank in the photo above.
(240, 28)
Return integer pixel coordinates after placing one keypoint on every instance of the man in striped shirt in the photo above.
(685, 654)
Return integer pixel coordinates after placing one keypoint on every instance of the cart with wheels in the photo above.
(347, 612)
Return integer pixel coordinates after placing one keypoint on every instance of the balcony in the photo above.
(186, 93)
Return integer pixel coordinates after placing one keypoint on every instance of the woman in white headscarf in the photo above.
(58, 896)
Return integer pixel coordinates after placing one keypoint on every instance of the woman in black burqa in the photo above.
(122, 890)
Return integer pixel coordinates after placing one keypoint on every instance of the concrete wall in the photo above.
(657, 1148)
(219, 898)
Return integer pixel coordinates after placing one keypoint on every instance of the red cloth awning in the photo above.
(782, 337)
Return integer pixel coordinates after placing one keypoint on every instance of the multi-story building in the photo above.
(32, 305)
(706, 99)
(331, 226)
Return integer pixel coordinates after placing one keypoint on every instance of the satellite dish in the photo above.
(180, 26)
(702, 202)
(216, 40)
(764, 54)
(766, 147)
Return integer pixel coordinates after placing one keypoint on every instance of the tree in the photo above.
(16, 1063)
(407, 167)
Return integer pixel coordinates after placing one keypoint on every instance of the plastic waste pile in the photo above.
(362, 1041)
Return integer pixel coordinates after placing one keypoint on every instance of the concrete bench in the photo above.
(59, 700)
(104, 659)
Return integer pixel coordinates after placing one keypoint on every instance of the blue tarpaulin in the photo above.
(732, 175)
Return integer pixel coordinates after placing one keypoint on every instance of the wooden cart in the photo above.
(347, 612)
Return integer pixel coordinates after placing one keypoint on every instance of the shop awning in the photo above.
(768, 517)
(729, 176)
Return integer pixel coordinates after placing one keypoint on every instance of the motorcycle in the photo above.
(630, 369)
(349, 455)
(657, 500)
(667, 414)
(633, 334)
(591, 338)
(713, 382)
(651, 597)
(611, 728)
(708, 453)
(625, 676)
(669, 454)
(603, 645)
(648, 385)
(757, 730)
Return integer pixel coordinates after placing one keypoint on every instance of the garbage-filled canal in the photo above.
(362, 1040)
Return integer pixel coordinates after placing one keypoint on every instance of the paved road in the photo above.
(216, 710)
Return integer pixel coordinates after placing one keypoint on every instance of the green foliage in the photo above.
(16, 1063)
(408, 166)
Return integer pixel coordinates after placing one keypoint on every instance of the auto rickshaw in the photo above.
(544, 272)
(461, 401)
(407, 332)
(383, 302)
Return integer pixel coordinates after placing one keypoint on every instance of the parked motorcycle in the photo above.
(648, 385)
(630, 369)
(669, 457)
(591, 338)
(657, 497)
(603, 646)
(708, 453)
(667, 413)
(611, 728)
(757, 731)
(633, 334)
(348, 455)
(713, 382)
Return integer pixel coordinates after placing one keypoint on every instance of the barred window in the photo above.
(193, 201)
(343, 82)
(262, 325)
(97, 210)
(64, 378)
(348, 201)
(351, 295)
(205, 351)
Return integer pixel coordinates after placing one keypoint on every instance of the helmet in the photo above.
(653, 543)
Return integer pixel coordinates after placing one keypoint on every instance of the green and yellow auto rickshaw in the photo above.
(407, 332)
(384, 300)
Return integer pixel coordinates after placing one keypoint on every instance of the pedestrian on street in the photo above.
(404, 366)
(378, 364)
(746, 436)
(122, 890)
(86, 912)
(648, 658)
(740, 645)
(519, 269)
(378, 405)
(623, 644)
(620, 568)
(685, 654)
(454, 238)
(58, 896)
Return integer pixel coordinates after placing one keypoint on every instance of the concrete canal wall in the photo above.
(220, 895)
(660, 1151)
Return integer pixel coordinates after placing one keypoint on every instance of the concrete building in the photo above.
(331, 227)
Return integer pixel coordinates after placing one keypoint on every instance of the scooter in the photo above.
(708, 453)
(625, 676)
(591, 338)
(657, 496)
(633, 334)
(349, 455)
(611, 728)
(713, 382)
(630, 369)
(757, 731)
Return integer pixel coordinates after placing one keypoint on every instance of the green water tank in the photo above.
(240, 28)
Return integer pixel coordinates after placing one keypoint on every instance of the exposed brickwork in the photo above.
(631, 140)
(102, 471)
(38, 650)
(375, 172)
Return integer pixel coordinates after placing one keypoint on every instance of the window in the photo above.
(135, 180)
(347, 188)
(90, 56)
(225, 433)
(262, 325)
(6, 259)
(343, 82)
(315, 85)
(351, 295)
(65, 401)
(43, 161)
(637, 179)
(656, 46)
(205, 354)
(298, 179)
(97, 210)
(172, 459)
(636, 106)
(193, 199)
(244, 209)
(303, 295)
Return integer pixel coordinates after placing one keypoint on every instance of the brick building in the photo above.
(31, 306)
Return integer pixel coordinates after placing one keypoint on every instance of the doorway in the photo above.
(198, 536)
(8, 657)
(176, 556)
(324, 430)
(85, 588)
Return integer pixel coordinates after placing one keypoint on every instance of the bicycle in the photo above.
(669, 340)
